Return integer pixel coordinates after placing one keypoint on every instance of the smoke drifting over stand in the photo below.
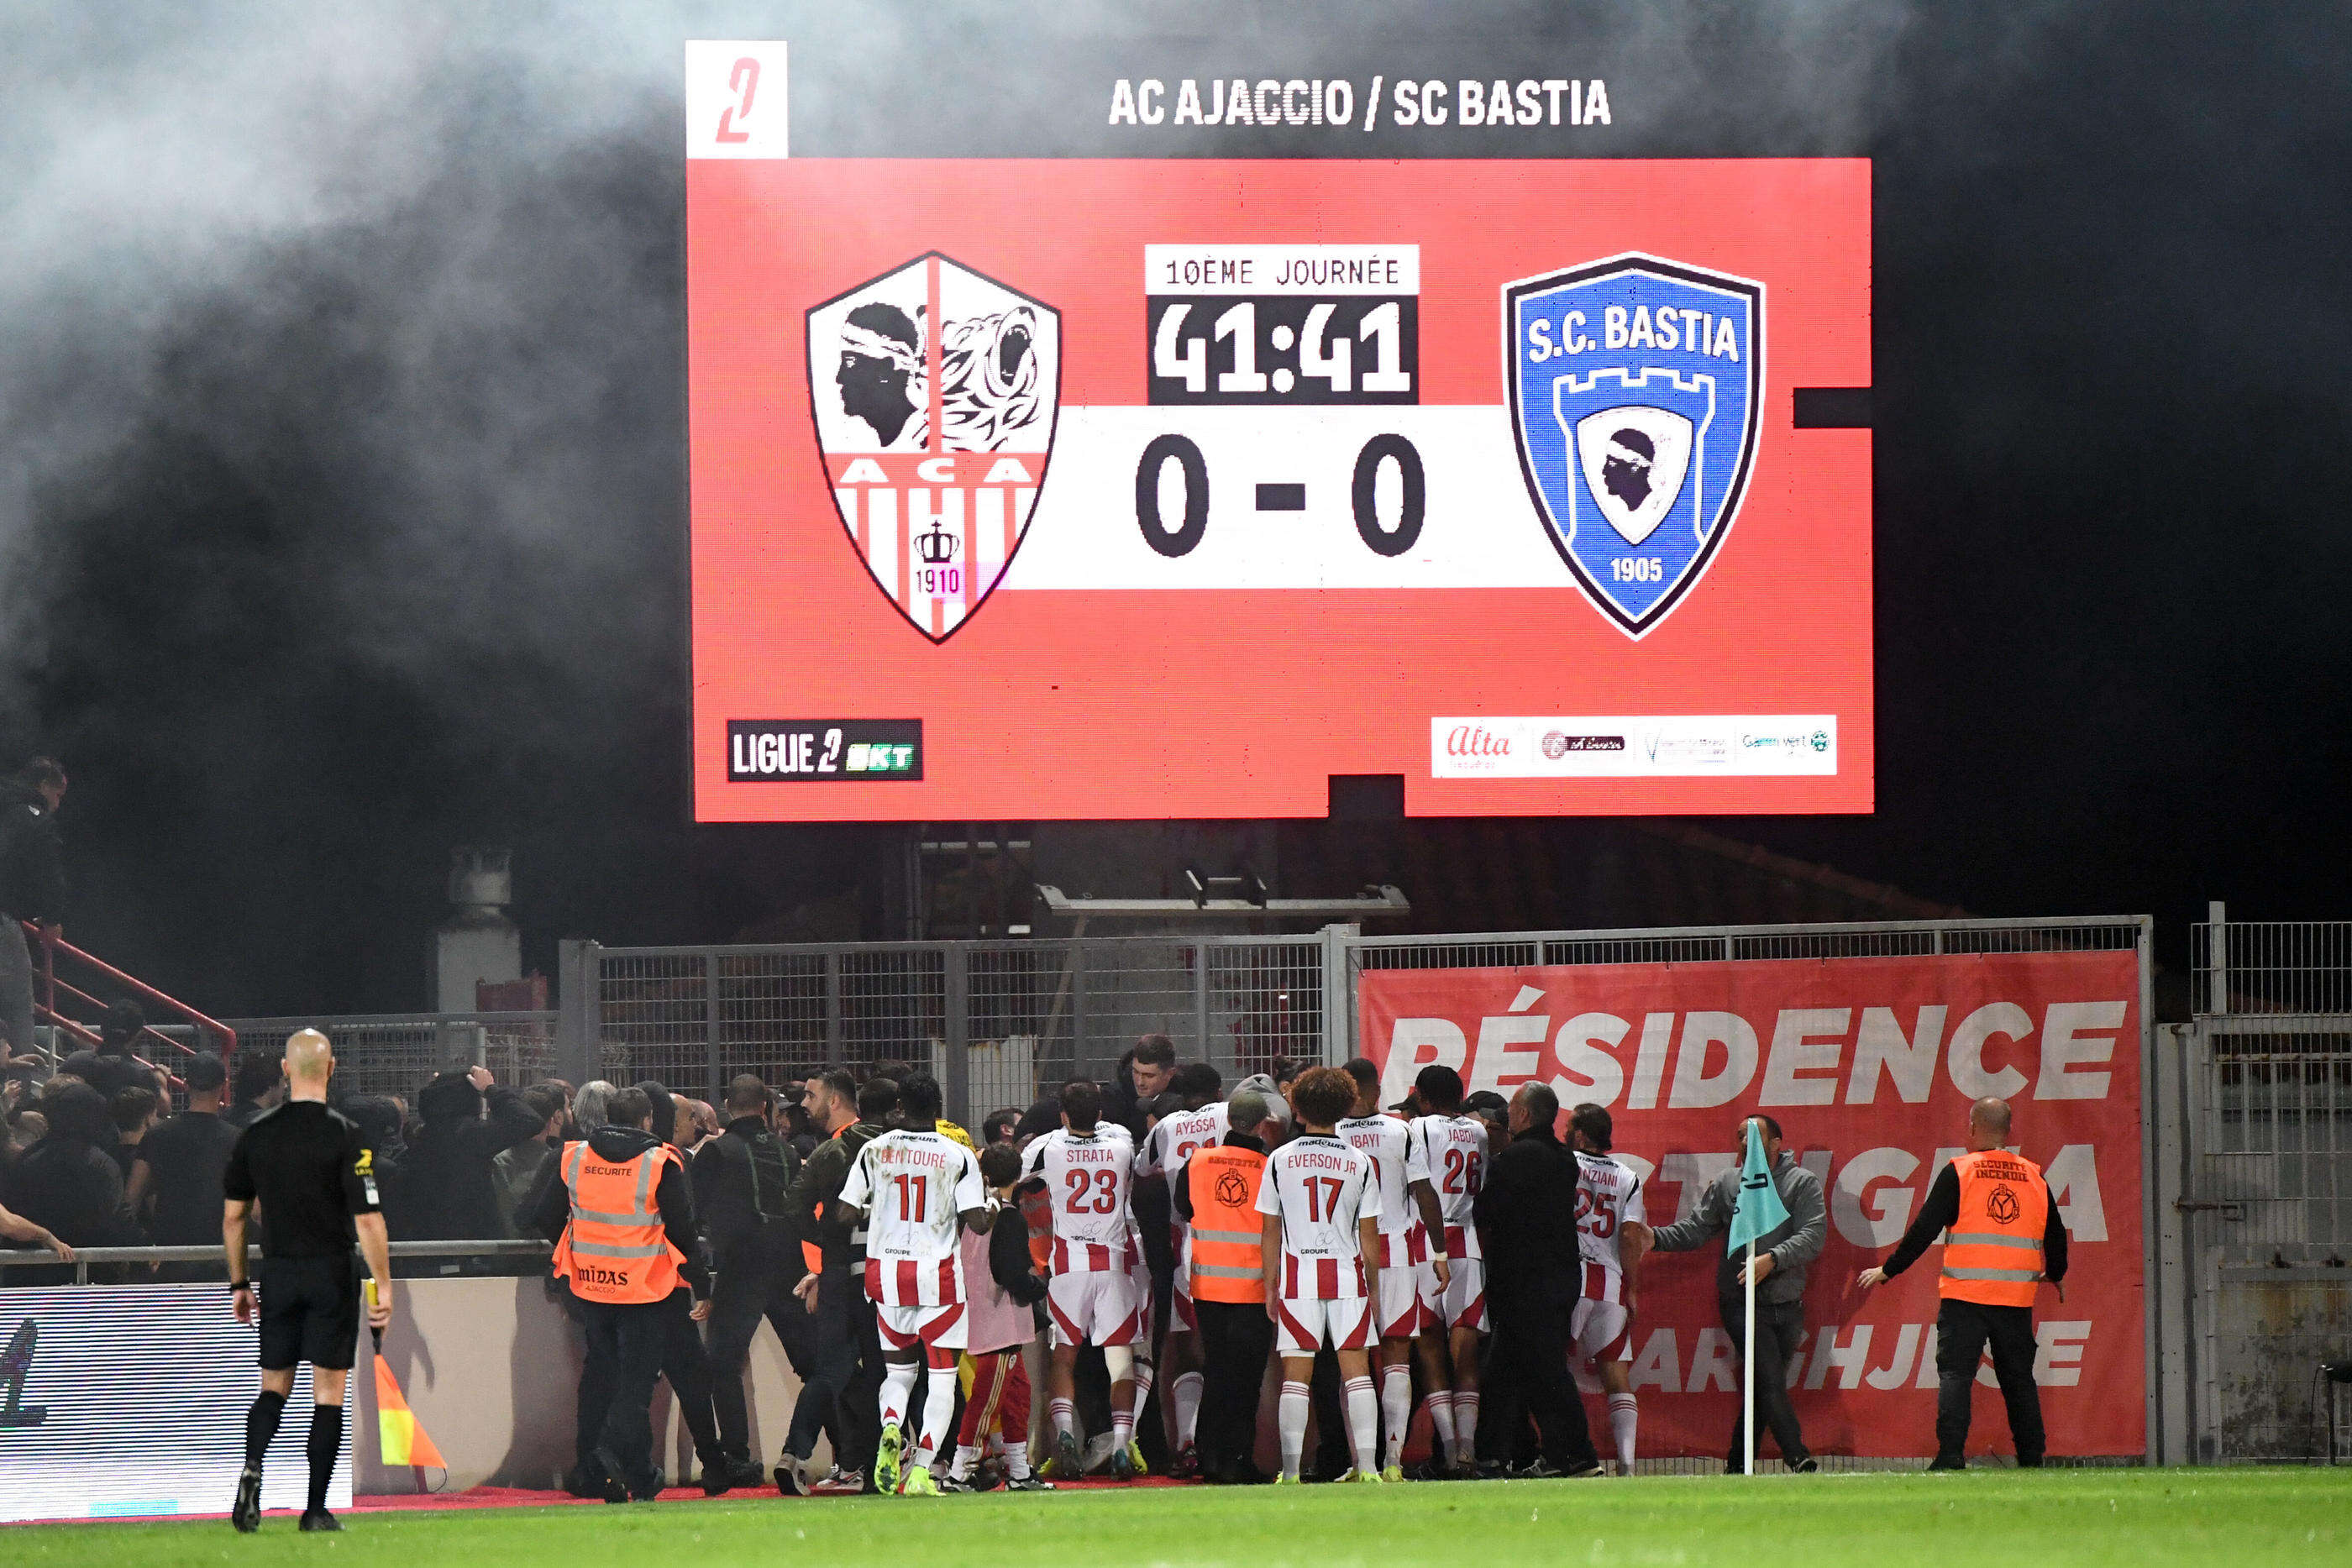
(342, 473)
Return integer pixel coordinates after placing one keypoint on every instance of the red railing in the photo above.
(46, 1009)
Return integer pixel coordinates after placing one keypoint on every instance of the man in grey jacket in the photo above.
(1782, 1257)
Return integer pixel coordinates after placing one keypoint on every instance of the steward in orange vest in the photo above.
(621, 1215)
(1216, 1192)
(2003, 1237)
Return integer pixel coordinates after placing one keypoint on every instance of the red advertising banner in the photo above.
(1869, 1065)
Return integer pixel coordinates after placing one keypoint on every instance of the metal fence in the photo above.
(395, 1053)
(2258, 1213)
(998, 1021)
(994, 1021)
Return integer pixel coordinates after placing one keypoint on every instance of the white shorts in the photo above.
(1398, 1312)
(933, 1328)
(1462, 1304)
(1601, 1330)
(1099, 1307)
(1301, 1328)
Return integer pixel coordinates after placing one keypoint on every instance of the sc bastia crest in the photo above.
(1636, 386)
(935, 392)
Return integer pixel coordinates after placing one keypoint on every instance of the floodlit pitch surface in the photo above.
(1991, 1517)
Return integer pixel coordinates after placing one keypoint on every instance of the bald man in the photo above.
(2005, 1239)
(312, 1172)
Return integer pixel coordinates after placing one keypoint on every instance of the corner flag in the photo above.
(1759, 1209)
(1756, 1213)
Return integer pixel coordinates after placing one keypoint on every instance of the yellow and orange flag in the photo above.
(404, 1442)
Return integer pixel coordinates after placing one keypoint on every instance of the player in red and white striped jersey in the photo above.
(1409, 1213)
(1453, 1280)
(1160, 1157)
(917, 1189)
(1608, 1209)
(1086, 1165)
(1321, 1200)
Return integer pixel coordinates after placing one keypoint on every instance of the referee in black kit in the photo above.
(315, 1180)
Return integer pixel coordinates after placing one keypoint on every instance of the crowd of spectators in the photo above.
(99, 1155)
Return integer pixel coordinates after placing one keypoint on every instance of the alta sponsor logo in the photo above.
(1475, 741)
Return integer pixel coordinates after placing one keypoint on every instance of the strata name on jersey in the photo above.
(1087, 1176)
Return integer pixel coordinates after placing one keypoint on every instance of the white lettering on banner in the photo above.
(1871, 1220)
(1966, 1064)
(1849, 1360)
(1804, 1045)
(1844, 1349)
(1694, 1088)
(1416, 1043)
(2074, 1034)
(1650, 1066)
(1906, 1346)
(2073, 1181)
(1714, 1364)
(1719, 1056)
(1590, 1073)
(1660, 1364)
(1911, 1063)
(1501, 1062)
(2058, 1353)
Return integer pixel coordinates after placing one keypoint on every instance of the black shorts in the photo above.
(309, 1312)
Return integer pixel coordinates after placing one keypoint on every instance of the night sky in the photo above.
(341, 438)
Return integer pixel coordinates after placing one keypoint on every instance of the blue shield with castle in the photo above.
(1636, 387)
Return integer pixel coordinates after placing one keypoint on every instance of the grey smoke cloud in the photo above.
(342, 436)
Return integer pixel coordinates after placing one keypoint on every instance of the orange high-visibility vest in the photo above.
(1992, 1253)
(1228, 1232)
(613, 1249)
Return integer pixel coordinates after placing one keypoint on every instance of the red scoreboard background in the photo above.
(1129, 488)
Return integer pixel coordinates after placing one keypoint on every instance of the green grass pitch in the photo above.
(2002, 1518)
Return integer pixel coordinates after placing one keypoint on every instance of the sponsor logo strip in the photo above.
(1652, 745)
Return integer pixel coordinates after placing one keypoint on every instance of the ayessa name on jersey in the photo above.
(1670, 329)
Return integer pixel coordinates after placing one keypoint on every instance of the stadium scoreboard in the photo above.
(1134, 487)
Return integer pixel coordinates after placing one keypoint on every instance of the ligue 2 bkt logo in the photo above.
(935, 392)
(2002, 1206)
(1636, 386)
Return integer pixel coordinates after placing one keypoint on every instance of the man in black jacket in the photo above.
(449, 1191)
(743, 1186)
(32, 886)
(848, 1359)
(68, 1181)
(1527, 1222)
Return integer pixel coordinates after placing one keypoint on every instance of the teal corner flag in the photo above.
(1759, 1209)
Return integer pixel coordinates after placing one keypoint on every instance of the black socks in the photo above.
(261, 1424)
(326, 1443)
